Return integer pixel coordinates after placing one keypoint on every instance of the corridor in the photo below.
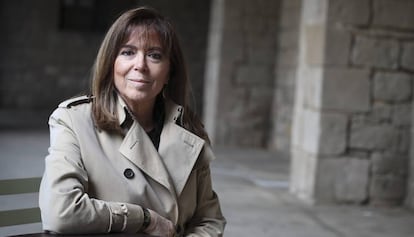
(252, 186)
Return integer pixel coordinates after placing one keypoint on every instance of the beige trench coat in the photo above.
(88, 186)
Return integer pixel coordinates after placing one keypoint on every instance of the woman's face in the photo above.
(141, 68)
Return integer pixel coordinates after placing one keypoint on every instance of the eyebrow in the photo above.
(149, 48)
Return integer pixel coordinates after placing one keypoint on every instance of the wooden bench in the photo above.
(19, 205)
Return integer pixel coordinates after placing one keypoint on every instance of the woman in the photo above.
(132, 157)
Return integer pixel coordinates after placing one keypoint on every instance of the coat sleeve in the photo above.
(63, 197)
(208, 220)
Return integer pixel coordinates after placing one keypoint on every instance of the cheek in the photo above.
(166, 73)
(118, 82)
(118, 74)
(119, 67)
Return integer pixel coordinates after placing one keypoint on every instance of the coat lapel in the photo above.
(138, 148)
(178, 148)
(178, 151)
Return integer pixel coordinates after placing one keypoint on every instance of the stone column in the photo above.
(239, 71)
(285, 75)
(352, 102)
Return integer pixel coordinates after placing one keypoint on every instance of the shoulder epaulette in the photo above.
(76, 101)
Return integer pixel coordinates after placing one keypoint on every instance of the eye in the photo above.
(127, 52)
(155, 56)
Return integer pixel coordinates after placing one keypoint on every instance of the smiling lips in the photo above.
(140, 81)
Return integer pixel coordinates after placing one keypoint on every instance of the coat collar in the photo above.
(121, 110)
(178, 150)
(172, 110)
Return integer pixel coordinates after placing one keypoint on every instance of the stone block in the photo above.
(285, 86)
(288, 40)
(254, 75)
(231, 45)
(314, 11)
(404, 141)
(351, 180)
(407, 60)
(261, 49)
(291, 4)
(287, 58)
(259, 103)
(311, 131)
(342, 179)
(314, 44)
(280, 137)
(375, 52)
(396, 14)
(250, 115)
(350, 12)
(325, 176)
(387, 189)
(410, 179)
(333, 133)
(337, 47)
(302, 174)
(381, 112)
(392, 86)
(373, 136)
(384, 163)
(311, 85)
(409, 201)
(402, 115)
(289, 18)
(346, 90)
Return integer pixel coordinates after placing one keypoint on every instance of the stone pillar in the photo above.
(239, 71)
(353, 101)
(285, 74)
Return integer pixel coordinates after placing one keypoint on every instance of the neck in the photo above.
(143, 113)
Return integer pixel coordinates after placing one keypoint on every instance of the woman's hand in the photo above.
(159, 226)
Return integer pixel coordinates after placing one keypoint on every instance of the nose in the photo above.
(140, 62)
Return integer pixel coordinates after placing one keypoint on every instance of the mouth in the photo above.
(140, 81)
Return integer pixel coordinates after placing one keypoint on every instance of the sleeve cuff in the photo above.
(125, 217)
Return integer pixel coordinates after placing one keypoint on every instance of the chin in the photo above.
(140, 98)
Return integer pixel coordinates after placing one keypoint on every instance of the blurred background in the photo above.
(308, 103)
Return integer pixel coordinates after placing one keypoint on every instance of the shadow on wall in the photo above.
(51, 46)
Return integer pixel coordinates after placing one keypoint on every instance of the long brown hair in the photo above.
(103, 88)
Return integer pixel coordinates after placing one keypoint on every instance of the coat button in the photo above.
(128, 173)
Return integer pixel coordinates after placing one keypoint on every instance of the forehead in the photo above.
(143, 37)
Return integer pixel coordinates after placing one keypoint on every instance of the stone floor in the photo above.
(253, 189)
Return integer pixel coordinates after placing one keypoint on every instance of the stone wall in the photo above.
(43, 63)
(330, 80)
(379, 36)
(285, 75)
(40, 65)
(47, 55)
(353, 114)
(240, 71)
